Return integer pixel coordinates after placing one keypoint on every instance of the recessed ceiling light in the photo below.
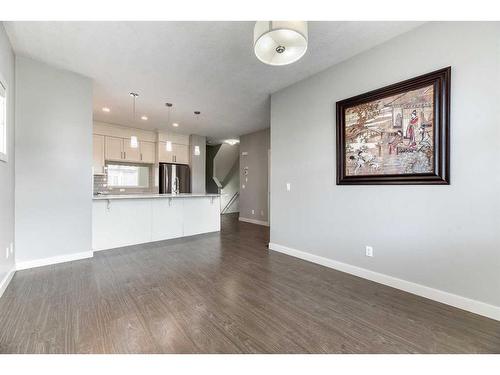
(105, 109)
(175, 125)
(144, 118)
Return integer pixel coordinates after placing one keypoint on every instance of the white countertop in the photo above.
(150, 196)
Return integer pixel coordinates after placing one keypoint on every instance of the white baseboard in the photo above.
(253, 221)
(53, 260)
(454, 300)
(6, 280)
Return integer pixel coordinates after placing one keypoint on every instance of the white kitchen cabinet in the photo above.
(98, 152)
(164, 156)
(147, 152)
(130, 153)
(120, 149)
(181, 139)
(179, 153)
(114, 148)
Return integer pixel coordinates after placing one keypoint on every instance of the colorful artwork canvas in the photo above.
(393, 135)
(397, 134)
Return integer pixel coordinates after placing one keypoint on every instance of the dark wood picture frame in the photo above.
(440, 80)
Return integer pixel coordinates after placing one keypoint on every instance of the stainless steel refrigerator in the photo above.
(174, 178)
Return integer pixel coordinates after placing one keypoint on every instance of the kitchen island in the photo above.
(123, 220)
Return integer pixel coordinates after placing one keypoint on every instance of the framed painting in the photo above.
(399, 134)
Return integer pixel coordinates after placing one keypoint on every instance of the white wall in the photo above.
(53, 162)
(255, 194)
(443, 237)
(225, 159)
(7, 168)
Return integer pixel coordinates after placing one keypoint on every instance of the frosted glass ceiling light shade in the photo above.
(133, 142)
(280, 42)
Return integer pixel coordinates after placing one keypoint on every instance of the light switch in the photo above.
(288, 186)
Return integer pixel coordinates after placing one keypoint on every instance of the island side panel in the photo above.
(201, 215)
(167, 218)
(117, 223)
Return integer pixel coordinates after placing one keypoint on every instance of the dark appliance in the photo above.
(174, 178)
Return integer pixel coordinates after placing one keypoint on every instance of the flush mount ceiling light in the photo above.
(280, 42)
(106, 109)
(175, 125)
(145, 118)
(232, 142)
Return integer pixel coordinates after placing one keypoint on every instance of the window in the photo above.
(132, 176)
(3, 122)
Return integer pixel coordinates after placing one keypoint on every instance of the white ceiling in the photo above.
(205, 66)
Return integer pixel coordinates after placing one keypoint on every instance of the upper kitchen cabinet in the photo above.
(151, 146)
(98, 162)
(118, 144)
(114, 148)
(131, 153)
(121, 149)
(175, 153)
(177, 150)
(181, 153)
(147, 152)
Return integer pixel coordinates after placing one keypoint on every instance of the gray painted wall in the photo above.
(254, 196)
(198, 163)
(444, 237)
(7, 168)
(53, 161)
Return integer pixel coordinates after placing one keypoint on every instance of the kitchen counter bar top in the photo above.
(151, 196)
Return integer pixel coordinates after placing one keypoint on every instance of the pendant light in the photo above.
(133, 139)
(168, 144)
(280, 42)
(196, 149)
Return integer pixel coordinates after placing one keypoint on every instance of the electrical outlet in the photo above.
(253, 212)
(369, 251)
(288, 186)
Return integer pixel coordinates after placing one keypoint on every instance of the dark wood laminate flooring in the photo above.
(224, 293)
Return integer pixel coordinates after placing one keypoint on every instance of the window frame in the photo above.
(4, 154)
(127, 186)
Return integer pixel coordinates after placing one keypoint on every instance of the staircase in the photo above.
(223, 175)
